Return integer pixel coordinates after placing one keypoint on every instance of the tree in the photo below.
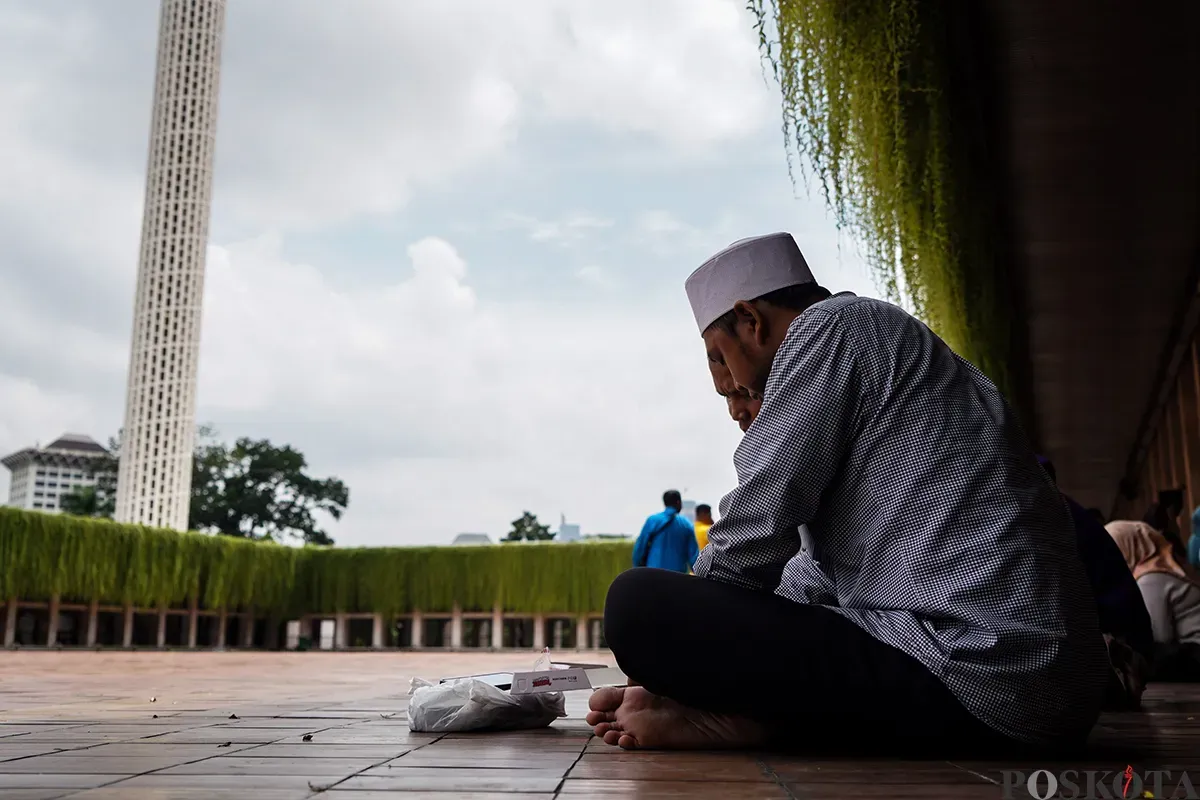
(99, 500)
(256, 490)
(528, 529)
(88, 501)
(252, 490)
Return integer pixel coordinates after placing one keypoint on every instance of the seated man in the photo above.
(1124, 620)
(938, 599)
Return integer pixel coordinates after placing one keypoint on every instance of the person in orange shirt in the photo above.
(704, 521)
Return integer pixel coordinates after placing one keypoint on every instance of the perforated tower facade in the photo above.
(154, 481)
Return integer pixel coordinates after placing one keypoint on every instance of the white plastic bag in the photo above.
(472, 705)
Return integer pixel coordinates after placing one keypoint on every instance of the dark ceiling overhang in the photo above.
(1100, 126)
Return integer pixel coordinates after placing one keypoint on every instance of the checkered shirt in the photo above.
(887, 479)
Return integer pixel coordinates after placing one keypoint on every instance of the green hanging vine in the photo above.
(873, 102)
(83, 559)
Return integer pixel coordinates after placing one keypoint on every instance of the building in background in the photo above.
(472, 538)
(567, 532)
(689, 510)
(41, 476)
(155, 478)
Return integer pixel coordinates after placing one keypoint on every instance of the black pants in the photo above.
(817, 680)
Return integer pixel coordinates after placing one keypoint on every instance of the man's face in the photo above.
(742, 407)
(745, 351)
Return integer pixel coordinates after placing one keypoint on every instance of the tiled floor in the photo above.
(169, 726)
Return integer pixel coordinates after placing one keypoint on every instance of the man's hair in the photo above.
(793, 298)
(704, 508)
(672, 499)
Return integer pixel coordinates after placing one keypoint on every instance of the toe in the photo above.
(602, 728)
(612, 737)
(607, 699)
(627, 742)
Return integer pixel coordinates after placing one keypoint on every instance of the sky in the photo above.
(448, 243)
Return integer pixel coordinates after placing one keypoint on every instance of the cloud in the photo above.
(570, 229)
(594, 275)
(455, 412)
(329, 111)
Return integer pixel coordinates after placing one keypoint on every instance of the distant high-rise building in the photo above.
(155, 478)
(567, 532)
(471, 538)
(42, 476)
(689, 510)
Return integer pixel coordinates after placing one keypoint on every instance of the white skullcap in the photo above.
(745, 270)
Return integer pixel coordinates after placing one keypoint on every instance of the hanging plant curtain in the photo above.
(878, 102)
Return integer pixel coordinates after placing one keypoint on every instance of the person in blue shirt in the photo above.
(1193, 547)
(667, 540)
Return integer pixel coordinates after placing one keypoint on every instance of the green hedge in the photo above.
(86, 559)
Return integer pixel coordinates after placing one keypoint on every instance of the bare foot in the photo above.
(633, 718)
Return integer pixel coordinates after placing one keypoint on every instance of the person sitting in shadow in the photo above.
(1163, 516)
(1171, 592)
(1124, 620)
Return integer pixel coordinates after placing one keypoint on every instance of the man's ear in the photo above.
(750, 314)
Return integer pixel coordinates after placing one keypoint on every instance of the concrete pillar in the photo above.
(377, 632)
(93, 622)
(222, 625)
(52, 627)
(456, 628)
(483, 634)
(341, 632)
(539, 632)
(127, 627)
(581, 633)
(193, 625)
(557, 634)
(161, 638)
(10, 622)
(418, 630)
(596, 634)
(497, 628)
(247, 630)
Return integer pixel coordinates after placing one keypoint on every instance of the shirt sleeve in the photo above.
(791, 454)
(1154, 589)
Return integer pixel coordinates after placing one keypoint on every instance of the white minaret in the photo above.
(155, 479)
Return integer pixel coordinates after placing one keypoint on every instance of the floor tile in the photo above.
(89, 765)
(376, 752)
(9, 781)
(201, 785)
(717, 790)
(244, 765)
(11, 751)
(661, 767)
(431, 758)
(123, 792)
(481, 779)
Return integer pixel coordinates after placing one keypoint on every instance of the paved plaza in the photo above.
(273, 726)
